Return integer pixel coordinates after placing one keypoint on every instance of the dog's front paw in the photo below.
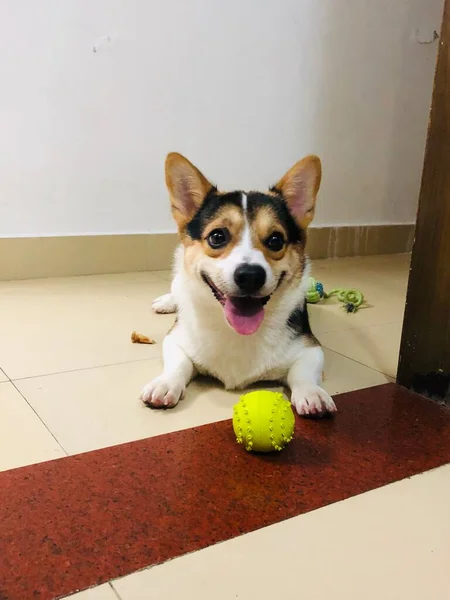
(312, 400)
(164, 304)
(162, 393)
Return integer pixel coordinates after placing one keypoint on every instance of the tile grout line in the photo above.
(8, 378)
(115, 592)
(167, 279)
(319, 333)
(126, 362)
(41, 420)
(358, 362)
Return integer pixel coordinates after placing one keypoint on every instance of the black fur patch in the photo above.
(298, 321)
(256, 200)
(211, 204)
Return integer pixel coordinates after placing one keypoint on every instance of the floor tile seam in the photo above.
(8, 378)
(41, 420)
(54, 373)
(341, 330)
(358, 362)
(167, 278)
(114, 591)
(151, 358)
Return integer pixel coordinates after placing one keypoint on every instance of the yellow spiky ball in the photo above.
(263, 421)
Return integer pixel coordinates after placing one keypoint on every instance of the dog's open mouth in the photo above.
(244, 313)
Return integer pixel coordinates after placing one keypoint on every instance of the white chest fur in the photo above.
(216, 349)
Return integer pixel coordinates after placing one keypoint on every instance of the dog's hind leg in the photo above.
(164, 304)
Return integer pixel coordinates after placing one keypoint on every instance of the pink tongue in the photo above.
(244, 316)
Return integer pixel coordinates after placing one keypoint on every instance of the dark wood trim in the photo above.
(425, 347)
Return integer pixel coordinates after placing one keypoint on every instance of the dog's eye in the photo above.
(218, 238)
(275, 242)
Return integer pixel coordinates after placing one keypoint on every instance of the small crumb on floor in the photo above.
(139, 338)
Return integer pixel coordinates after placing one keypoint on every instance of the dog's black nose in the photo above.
(250, 278)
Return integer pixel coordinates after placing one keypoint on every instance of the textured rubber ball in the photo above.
(263, 421)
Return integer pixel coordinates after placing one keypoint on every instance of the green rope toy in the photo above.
(352, 299)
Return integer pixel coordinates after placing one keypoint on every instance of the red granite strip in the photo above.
(79, 521)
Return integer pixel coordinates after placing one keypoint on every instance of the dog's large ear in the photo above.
(187, 187)
(299, 187)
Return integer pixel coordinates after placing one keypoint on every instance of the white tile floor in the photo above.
(24, 438)
(69, 382)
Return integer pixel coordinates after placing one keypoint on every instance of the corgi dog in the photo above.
(240, 278)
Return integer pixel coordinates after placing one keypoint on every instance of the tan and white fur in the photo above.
(216, 331)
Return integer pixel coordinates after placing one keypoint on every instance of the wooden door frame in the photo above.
(424, 363)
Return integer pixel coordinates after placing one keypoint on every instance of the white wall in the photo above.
(242, 87)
